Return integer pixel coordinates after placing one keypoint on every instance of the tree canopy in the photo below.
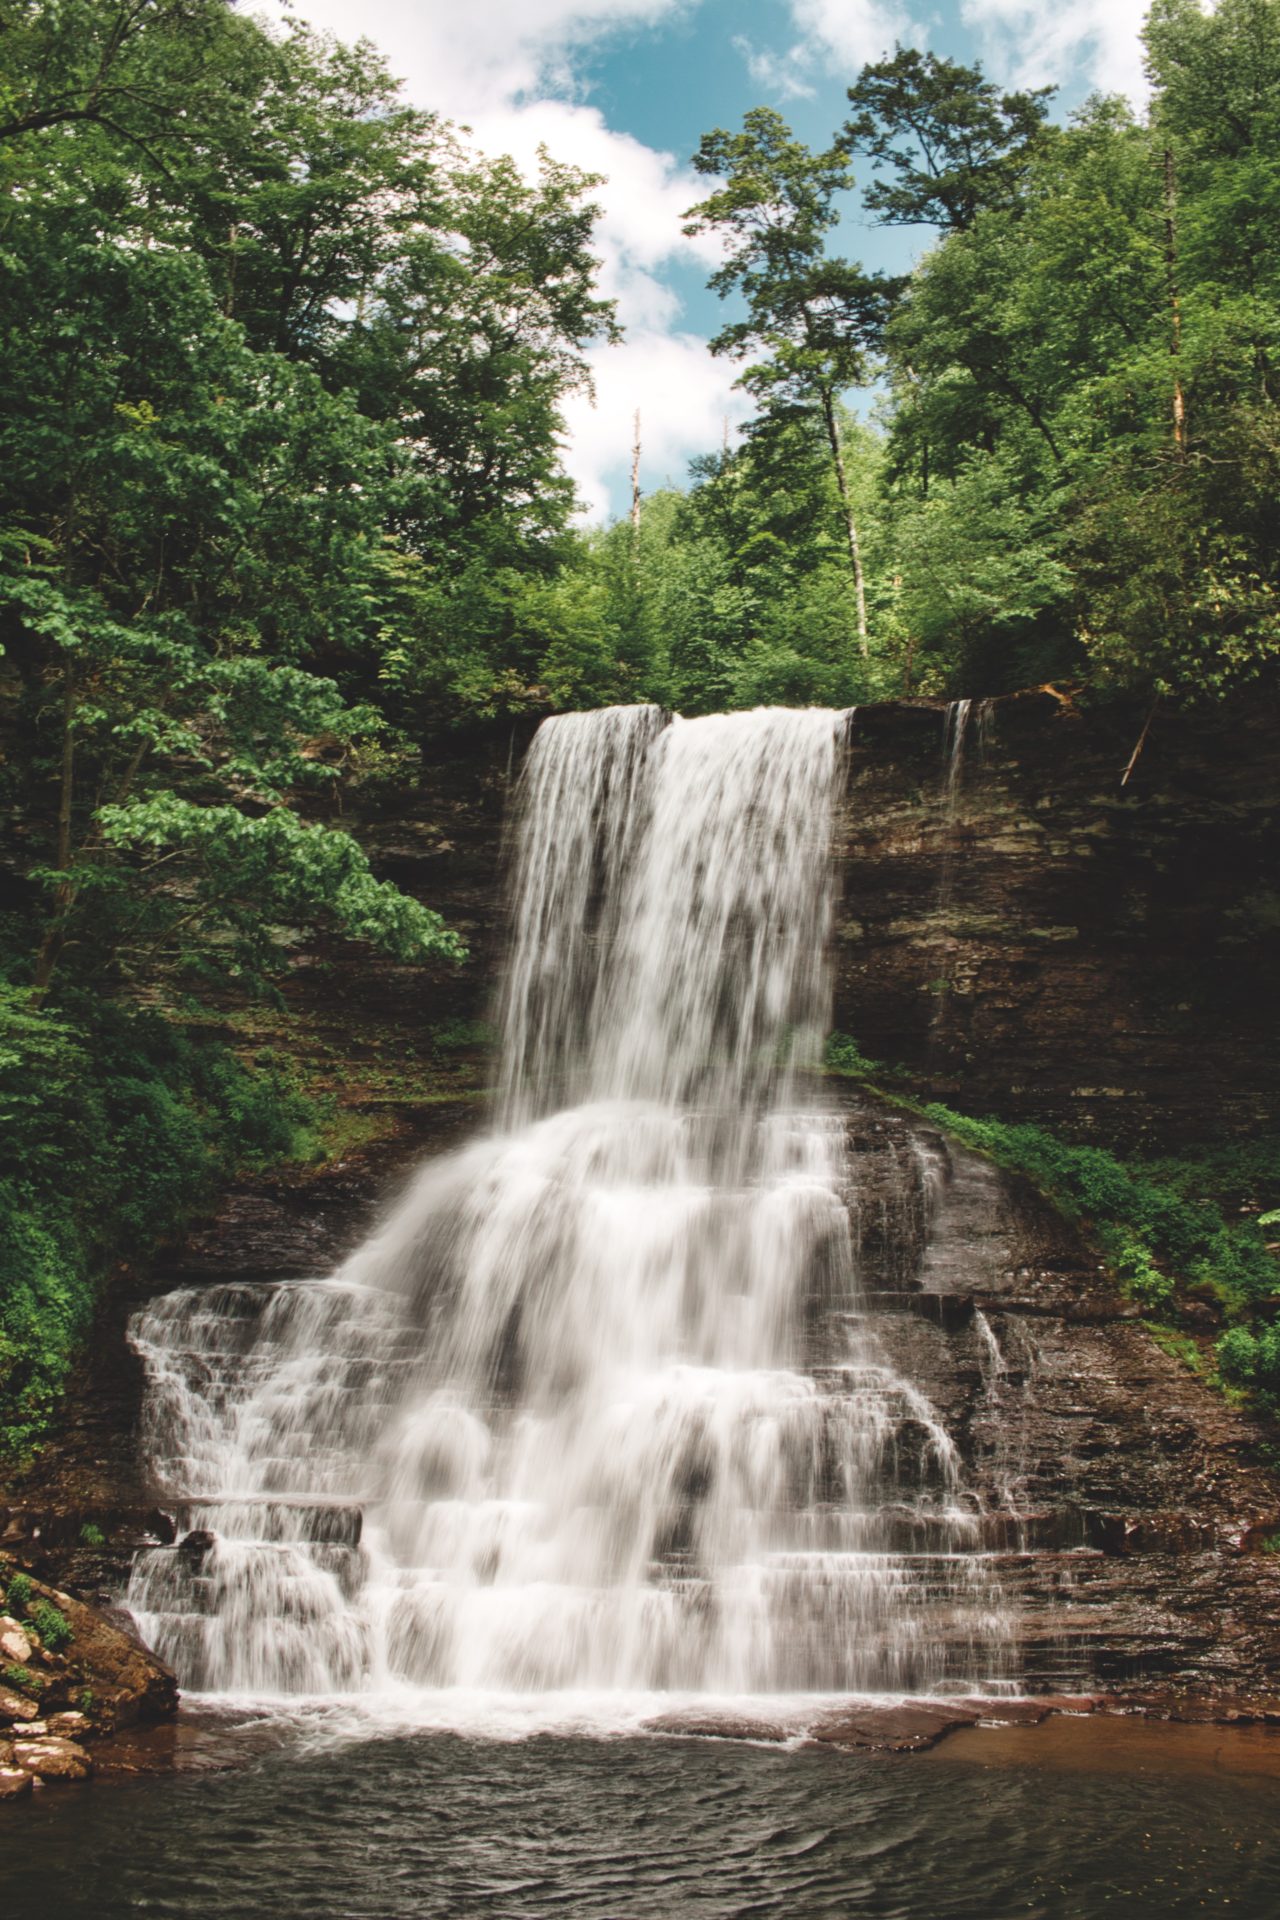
(1053, 446)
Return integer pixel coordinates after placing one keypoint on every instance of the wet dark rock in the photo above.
(1103, 960)
(905, 1727)
(194, 1547)
(717, 1724)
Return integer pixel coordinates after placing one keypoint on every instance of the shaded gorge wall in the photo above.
(1031, 938)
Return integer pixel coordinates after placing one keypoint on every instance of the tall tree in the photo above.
(816, 321)
(952, 142)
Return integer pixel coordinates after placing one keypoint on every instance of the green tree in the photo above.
(816, 321)
(955, 145)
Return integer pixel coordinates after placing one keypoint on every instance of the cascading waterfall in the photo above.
(601, 1404)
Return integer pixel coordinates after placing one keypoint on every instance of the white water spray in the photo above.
(600, 1406)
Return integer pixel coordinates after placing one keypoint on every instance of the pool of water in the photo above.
(412, 1826)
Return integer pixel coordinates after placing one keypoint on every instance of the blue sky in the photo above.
(626, 87)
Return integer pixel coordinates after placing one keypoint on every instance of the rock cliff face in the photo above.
(1024, 932)
(1042, 941)
(1120, 1499)
(1030, 937)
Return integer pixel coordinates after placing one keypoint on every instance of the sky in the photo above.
(625, 88)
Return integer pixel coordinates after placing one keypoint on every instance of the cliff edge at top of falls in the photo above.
(1026, 931)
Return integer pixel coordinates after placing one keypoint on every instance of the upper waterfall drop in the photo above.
(603, 1391)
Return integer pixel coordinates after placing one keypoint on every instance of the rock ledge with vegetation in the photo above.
(69, 1675)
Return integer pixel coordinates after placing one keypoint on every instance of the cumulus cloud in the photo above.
(784, 75)
(854, 31)
(509, 70)
(1033, 43)
(1028, 43)
(466, 57)
(685, 398)
(849, 32)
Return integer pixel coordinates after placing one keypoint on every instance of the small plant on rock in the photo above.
(19, 1594)
(21, 1679)
(91, 1536)
(53, 1627)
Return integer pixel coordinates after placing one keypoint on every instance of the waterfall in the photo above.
(601, 1404)
(955, 731)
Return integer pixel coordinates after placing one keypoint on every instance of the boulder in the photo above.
(13, 1706)
(15, 1646)
(195, 1547)
(50, 1759)
(14, 1781)
(69, 1726)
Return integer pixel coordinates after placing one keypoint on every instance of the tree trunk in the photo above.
(851, 525)
(51, 945)
(1175, 307)
(635, 487)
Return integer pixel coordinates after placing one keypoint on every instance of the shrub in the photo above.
(842, 1054)
(115, 1126)
(19, 1593)
(54, 1628)
(1252, 1359)
(91, 1536)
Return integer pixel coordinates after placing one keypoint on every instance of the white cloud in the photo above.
(1034, 43)
(854, 31)
(784, 75)
(685, 399)
(506, 69)
(465, 57)
(850, 32)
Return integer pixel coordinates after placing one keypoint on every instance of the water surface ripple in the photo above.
(418, 1827)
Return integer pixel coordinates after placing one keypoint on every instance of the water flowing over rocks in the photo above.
(600, 1405)
(692, 1376)
(908, 1435)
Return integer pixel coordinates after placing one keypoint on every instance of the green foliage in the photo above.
(92, 1536)
(22, 1679)
(843, 1055)
(18, 1594)
(1252, 1359)
(812, 321)
(54, 1628)
(114, 1126)
(954, 144)
(282, 364)
(1079, 462)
